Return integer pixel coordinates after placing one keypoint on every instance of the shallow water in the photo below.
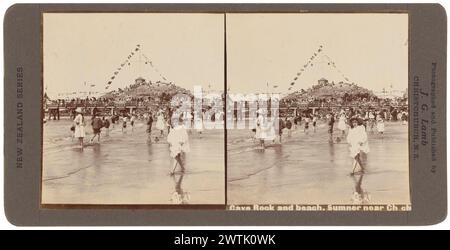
(125, 169)
(306, 169)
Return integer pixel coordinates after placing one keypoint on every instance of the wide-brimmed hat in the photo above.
(353, 119)
(78, 110)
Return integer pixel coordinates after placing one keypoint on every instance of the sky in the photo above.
(263, 50)
(187, 49)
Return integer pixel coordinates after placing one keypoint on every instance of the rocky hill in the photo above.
(330, 91)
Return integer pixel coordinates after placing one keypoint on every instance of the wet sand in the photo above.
(125, 169)
(306, 169)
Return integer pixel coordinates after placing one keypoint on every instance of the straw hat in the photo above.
(78, 110)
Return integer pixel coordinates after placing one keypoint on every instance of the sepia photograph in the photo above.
(132, 110)
(319, 111)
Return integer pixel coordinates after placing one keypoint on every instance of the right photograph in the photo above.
(317, 109)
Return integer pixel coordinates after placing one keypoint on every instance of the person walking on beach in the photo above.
(342, 125)
(106, 125)
(371, 121)
(96, 124)
(288, 125)
(330, 122)
(307, 121)
(281, 126)
(132, 119)
(79, 127)
(178, 140)
(358, 142)
(124, 123)
(380, 125)
(160, 122)
(149, 126)
(260, 130)
(404, 117)
(314, 122)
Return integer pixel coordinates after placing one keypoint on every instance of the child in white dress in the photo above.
(178, 140)
(79, 127)
(358, 141)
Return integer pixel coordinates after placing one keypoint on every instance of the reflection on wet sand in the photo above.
(180, 196)
(360, 196)
(307, 169)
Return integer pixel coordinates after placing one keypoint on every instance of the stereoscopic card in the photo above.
(225, 114)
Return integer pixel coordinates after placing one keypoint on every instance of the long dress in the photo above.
(357, 138)
(342, 125)
(380, 125)
(79, 126)
(260, 132)
(178, 140)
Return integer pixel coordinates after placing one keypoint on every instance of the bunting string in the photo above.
(310, 64)
(128, 62)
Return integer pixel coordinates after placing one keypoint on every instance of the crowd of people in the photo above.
(165, 124)
(351, 124)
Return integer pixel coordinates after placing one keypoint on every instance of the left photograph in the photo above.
(131, 109)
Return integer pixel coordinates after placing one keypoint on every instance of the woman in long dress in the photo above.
(380, 124)
(178, 140)
(260, 133)
(160, 122)
(342, 125)
(358, 141)
(79, 124)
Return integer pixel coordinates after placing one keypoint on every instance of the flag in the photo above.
(92, 85)
(295, 79)
(275, 86)
(112, 78)
(292, 83)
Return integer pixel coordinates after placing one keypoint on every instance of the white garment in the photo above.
(380, 126)
(342, 125)
(264, 129)
(160, 124)
(79, 126)
(178, 140)
(357, 138)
